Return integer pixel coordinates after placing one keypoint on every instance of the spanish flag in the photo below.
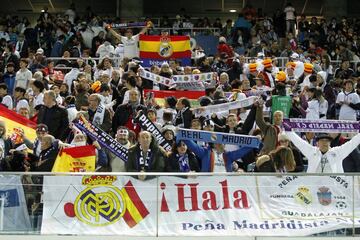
(160, 96)
(14, 122)
(135, 208)
(156, 49)
(76, 159)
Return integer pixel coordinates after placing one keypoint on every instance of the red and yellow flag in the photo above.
(76, 159)
(160, 96)
(135, 208)
(154, 49)
(14, 123)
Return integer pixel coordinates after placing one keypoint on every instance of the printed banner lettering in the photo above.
(104, 139)
(147, 125)
(326, 126)
(208, 110)
(246, 206)
(223, 205)
(216, 137)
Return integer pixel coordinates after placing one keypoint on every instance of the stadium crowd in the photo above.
(112, 97)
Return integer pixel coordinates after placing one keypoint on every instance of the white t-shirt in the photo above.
(131, 48)
(22, 78)
(219, 164)
(290, 13)
(8, 102)
(313, 110)
(105, 50)
(346, 112)
(38, 100)
(71, 76)
(323, 108)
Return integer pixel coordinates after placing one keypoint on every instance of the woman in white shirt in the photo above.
(313, 109)
(38, 98)
(105, 67)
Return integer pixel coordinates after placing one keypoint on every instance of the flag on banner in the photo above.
(160, 96)
(156, 49)
(76, 159)
(101, 205)
(14, 122)
(13, 209)
(135, 208)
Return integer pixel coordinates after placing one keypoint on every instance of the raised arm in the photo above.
(304, 147)
(113, 32)
(344, 150)
(199, 151)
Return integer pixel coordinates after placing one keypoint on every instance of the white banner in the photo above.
(208, 110)
(256, 206)
(208, 77)
(155, 77)
(202, 206)
(13, 209)
(99, 205)
(178, 79)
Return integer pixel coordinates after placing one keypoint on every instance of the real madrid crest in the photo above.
(165, 49)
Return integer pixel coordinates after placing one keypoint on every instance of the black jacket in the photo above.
(56, 119)
(47, 158)
(184, 118)
(122, 114)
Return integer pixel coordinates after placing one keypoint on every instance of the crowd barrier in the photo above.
(185, 205)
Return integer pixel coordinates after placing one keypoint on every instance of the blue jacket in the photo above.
(242, 23)
(57, 49)
(9, 80)
(207, 160)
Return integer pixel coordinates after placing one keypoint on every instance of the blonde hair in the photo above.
(283, 157)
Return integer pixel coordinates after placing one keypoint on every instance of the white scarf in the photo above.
(99, 115)
(144, 163)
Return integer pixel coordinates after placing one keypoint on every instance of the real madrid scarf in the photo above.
(144, 162)
(321, 126)
(216, 137)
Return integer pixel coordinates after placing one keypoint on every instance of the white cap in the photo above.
(294, 55)
(40, 51)
(260, 54)
(222, 39)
